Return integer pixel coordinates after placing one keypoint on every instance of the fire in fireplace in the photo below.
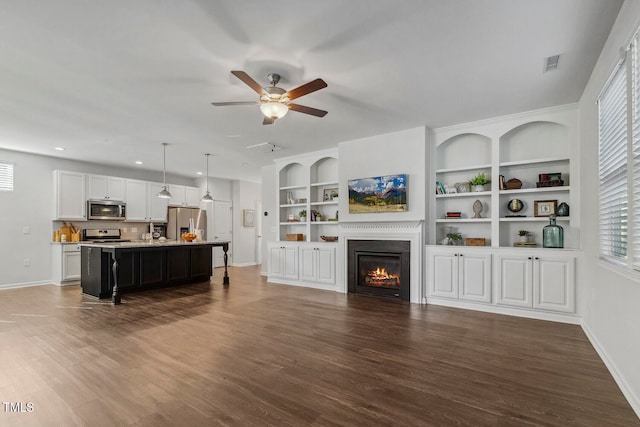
(379, 267)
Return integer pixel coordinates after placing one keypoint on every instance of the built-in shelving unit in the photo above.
(522, 147)
(308, 185)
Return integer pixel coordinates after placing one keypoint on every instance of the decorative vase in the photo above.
(523, 239)
(552, 234)
(477, 188)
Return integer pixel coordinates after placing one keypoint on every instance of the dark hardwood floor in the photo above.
(259, 354)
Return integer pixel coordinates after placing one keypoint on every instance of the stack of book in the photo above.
(453, 215)
(529, 244)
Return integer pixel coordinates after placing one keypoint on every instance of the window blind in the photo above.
(612, 112)
(635, 138)
(6, 176)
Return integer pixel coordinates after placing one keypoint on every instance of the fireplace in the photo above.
(379, 268)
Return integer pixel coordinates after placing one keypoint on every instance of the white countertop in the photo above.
(143, 244)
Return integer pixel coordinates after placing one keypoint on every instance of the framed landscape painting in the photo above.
(378, 194)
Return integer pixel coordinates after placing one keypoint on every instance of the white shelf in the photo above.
(324, 184)
(537, 190)
(294, 223)
(467, 194)
(463, 220)
(293, 187)
(293, 205)
(331, 202)
(464, 169)
(533, 219)
(323, 222)
(535, 161)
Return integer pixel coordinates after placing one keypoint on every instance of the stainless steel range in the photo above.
(102, 235)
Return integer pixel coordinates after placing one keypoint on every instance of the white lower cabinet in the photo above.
(544, 281)
(461, 274)
(66, 263)
(283, 262)
(318, 264)
(304, 263)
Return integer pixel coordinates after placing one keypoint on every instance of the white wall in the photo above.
(612, 300)
(245, 195)
(402, 152)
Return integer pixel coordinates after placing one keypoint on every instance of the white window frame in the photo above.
(619, 163)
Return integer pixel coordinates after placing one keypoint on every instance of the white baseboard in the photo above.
(25, 284)
(628, 393)
(242, 264)
(529, 314)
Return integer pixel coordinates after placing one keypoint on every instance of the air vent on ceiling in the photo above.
(264, 147)
(551, 63)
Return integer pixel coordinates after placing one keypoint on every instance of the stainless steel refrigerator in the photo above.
(180, 220)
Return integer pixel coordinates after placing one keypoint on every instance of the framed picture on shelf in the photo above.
(545, 207)
(329, 194)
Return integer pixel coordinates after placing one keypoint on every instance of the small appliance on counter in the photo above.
(102, 235)
(186, 220)
(159, 230)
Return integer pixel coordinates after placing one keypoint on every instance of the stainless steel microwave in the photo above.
(109, 210)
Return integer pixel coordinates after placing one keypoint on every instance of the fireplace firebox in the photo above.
(379, 268)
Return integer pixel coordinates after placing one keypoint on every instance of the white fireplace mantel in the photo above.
(412, 231)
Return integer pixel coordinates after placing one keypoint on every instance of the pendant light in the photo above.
(207, 197)
(164, 194)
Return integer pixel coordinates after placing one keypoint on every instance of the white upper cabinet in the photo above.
(157, 206)
(184, 196)
(105, 187)
(137, 200)
(69, 195)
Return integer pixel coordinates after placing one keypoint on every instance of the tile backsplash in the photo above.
(128, 230)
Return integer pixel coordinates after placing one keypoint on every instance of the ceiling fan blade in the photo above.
(306, 88)
(248, 81)
(223, 104)
(307, 110)
(268, 121)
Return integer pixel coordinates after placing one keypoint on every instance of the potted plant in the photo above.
(455, 238)
(523, 236)
(478, 182)
(303, 215)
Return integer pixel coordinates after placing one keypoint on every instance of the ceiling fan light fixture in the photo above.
(274, 110)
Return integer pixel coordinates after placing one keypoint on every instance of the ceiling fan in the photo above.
(274, 101)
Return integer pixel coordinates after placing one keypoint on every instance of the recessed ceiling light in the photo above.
(198, 173)
(59, 148)
(138, 162)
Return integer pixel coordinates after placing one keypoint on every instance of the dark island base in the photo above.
(109, 272)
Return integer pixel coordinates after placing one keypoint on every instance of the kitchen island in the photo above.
(111, 269)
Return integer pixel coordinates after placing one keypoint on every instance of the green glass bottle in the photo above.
(552, 234)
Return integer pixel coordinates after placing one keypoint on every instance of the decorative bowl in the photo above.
(329, 238)
(188, 237)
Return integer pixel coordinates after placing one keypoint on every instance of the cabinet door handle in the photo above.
(529, 258)
(537, 258)
(455, 254)
(460, 254)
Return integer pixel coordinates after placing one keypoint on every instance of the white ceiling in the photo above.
(110, 81)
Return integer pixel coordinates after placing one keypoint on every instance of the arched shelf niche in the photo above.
(535, 140)
(464, 151)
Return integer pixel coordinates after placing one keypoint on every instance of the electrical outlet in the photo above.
(26, 230)
(134, 230)
(124, 229)
(26, 262)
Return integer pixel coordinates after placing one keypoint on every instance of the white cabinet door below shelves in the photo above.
(283, 262)
(474, 277)
(443, 274)
(554, 284)
(515, 280)
(318, 264)
(460, 274)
